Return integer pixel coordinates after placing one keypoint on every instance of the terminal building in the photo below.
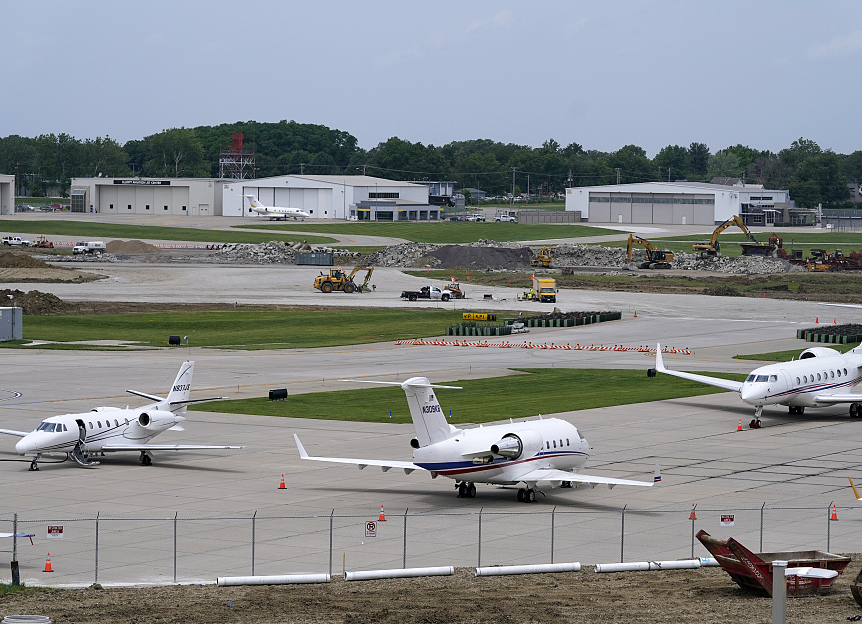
(323, 197)
(682, 203)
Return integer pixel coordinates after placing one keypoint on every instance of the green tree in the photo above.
(672, 162)
(724, 164)
(824, 171)
(633, 164)
(698, 158)
(177, 153)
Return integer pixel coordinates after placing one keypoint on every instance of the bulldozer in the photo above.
(543, 258)
(713, 248)
(655, 259)
(337, 279)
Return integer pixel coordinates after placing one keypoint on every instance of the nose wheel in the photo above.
(34, 465)
(755, 422)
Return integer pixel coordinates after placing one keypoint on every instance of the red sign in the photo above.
(55, 531)
(726, 520)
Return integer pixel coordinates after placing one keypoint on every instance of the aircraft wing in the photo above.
(838, 398)
(727, 384)
(20, 434)
(112, 448)
(407, 467)
(552, 474)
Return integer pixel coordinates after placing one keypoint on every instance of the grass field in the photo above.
(443, 232)
(245, 329)
(86, 229)
(535, 391)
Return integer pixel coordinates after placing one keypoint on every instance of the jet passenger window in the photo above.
(845, 371)
(839, 372)
(818, 376)
(797, 381)
(91, 425)
(116, 424)
(832, 374)
(555, 444)
(99, 422)
(567, 442)
(805, 378)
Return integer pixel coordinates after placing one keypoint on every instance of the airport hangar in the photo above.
(7, 194)
(323, 197)
(683, 203)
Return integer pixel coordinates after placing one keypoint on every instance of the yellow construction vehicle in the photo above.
(712, 248)
(655, 259)
(337, 279)
(543, 258)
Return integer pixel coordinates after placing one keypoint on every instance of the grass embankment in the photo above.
(443, 232)
(539, 390)
(87, 229)
(273, 328)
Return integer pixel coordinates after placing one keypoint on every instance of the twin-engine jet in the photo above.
(545, 450)
(113, 429)
(274, 212)
(819, 377)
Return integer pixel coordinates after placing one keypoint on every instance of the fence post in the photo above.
(96, 550)
(404, 555)
(176, 513)
(828, 529)
(761, 526)
(331, 516)
(253, 530)
(15, 538)
(479, 565)
(553, 516)
(623, 535)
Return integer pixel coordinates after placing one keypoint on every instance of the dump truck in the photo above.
(655, 258)
(543, 289)
(712, 248)
(337, 279)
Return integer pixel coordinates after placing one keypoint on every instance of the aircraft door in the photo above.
(82, 430)
(787, 380)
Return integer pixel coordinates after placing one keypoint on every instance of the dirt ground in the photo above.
(705, 595)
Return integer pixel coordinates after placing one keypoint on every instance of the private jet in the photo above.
(548, 450)
(818, 378)
(274, 212)
(113, 429)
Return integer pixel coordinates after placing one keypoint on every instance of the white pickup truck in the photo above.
(15, 241)
(88, 247)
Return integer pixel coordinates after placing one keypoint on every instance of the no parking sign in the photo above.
(371, 529)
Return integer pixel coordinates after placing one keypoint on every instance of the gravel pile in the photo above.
(275, 252)
(405, 255)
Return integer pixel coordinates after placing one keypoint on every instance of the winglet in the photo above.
(302, 453)
(659, 364)
(657, 478)
(855, 493)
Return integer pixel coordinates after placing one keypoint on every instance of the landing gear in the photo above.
(796, 410)
(755, 422)
(466, 490)
(34, 465)
(145, 459)
(526, 495)
(566, 484)
(855, 410)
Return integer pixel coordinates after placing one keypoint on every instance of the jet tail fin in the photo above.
(178, 397)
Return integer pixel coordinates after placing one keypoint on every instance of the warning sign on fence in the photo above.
(726, 520)
(55, 531)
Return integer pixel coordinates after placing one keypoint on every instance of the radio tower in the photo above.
(236, 163)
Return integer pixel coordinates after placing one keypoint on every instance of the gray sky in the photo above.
(601, 74)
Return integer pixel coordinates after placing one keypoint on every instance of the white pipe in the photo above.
(284, 579)
(709, 562)
(370, 575)
(528, 569)
(643, 566)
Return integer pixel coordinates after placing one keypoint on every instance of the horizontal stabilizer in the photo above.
(406, 383)
(407, 467)
(187, 401)
(151, 397)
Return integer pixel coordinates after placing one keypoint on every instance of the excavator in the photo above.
(339, 280)
(655, 259)
(712, 248)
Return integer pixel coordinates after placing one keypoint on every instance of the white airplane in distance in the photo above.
(113, 429)
(275, 212)
(547, 450)
(819, 377)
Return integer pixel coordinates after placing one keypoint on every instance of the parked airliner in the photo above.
(547, 449)
(274, 212)
(113, 429)
(819, 377)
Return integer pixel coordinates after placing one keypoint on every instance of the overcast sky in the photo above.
(601, 74)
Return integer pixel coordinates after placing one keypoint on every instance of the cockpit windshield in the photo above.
(762, 378)
(51, 427)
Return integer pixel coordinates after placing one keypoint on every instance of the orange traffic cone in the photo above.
(281, 485)
(382, 517)
(692, 515)
(834, 515)
(739, 426)
(816, 319)
(636, 313)
(48, 567)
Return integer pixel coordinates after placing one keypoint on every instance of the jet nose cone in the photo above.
(24, 445)
(751, 394)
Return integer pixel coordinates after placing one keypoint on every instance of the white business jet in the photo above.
(113, 429)
(275, 212)
(819, 377)
(547, 450)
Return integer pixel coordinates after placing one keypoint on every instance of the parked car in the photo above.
(476, 217)
(505, 218)
(457, 218)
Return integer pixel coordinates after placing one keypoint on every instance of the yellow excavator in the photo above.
(712, 248)
(337, 279)
(655, 259)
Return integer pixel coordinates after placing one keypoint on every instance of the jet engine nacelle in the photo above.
(156, 419)
(517, 445)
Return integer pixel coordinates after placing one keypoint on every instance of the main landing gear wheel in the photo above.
(797, 410)
(526, 495)
(145, 459)
(855, 410)
(466, 490)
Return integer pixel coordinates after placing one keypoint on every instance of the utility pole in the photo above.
(363, 169)
(301, 168)
(512, 202)
(528, 188)
(617, 169)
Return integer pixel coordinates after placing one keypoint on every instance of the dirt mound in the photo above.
(21, 261)
(480, 258)
(722, 291)
(35, 303)
(130, 247)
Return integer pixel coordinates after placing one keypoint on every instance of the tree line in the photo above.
(813, 175)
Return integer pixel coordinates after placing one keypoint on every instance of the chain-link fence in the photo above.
(121, 550)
